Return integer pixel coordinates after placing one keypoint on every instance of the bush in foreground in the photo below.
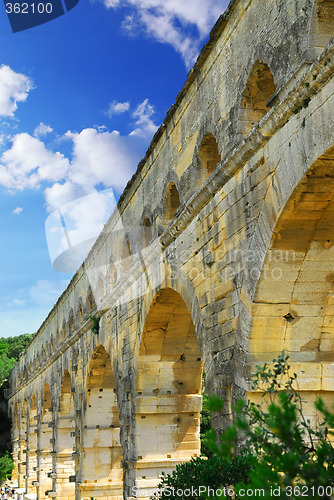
(6, 467)
(281, 451)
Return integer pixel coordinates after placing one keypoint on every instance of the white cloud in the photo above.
(42, 129)
(17, 210)
(18, 302)
(14, 88)
(46, 292)
(145, 127)
(106, 158)
(182, 24)
(98, 159)
(117, 108)
(28, 163)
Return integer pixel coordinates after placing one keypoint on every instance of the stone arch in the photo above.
(101, 473)
(322, 26)
(126, 254)
(208, 157)
(168, 388)
(63, 331)
(90, 302)
(147, 233)
(65, 445)
(32, 447)
(259, 88)
(171, 202)
(80, 312)
(293, 294)
(71, 322)
(46, 444)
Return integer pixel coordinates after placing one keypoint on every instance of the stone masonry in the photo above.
(220, 254)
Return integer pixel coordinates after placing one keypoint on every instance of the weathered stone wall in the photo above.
(219, 255)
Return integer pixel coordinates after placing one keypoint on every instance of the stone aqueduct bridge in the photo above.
(232, 261)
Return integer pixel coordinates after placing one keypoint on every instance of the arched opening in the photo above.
(126, 254)
(66, 441)
(208, 156)
(147, 234)
(322, 26)
(71, 323)
(32, 448)
(101, 473)
(259, 89)
(172, 202)
(46, 445)
(169, 382)
(90, 301)
(293, 307)
(80, 314)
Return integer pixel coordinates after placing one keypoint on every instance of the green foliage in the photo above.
(10, 350)
(205, 424)
(270, 446)
(96, 323)
(6, 467)
(215, 472)
(286, 452)
(6, 364)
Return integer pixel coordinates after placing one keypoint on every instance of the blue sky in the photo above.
(80, 99)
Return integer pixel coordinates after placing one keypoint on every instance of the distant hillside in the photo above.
(10, 349)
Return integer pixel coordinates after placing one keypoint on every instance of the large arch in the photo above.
(31, 479)
(168, 389)
(45, 445)
(101, 473)
(293, 305)
(65, 445)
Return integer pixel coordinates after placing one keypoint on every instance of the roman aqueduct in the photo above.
(223, 257)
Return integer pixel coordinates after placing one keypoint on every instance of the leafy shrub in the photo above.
(6, 467)
(270, 447)
(215, 472)
(288, 454)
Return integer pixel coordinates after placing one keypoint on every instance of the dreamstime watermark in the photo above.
(236, 262)
(129, 260)
(24, 15)
(134, 260)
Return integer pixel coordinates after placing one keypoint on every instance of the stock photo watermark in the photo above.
(230, 492)
(136, 258)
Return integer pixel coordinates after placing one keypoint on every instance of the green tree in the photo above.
(286, 452)
(6, 466)
(270, 446)
(10, 350)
